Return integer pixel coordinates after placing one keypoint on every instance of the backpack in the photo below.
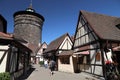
(52, 63)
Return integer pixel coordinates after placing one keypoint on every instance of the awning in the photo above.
(83, 52)
(116, 48)
(66, 53)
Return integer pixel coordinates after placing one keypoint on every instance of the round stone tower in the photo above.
(28, 26)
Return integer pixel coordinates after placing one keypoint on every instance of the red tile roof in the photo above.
(33, 47)
(104, 26)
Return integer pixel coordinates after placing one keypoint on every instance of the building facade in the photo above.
(65, 61)
(14, 56)
(42, 48)
(95, 37)
(63, 43)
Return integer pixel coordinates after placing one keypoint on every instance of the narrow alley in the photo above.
(40, 73)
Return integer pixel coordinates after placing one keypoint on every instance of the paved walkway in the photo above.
(40, 73)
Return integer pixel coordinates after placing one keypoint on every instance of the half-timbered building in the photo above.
(63, 43)
(95, 37)
(14, 55)
(41, 49)
(65, 61)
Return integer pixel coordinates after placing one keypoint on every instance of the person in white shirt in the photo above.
(46, 63)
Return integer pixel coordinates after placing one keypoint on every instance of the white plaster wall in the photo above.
(93, 55)
(98, 70)
(3, 64)
(95, 69)
(66, 44)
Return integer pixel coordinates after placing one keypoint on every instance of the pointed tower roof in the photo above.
(30, 11)
(30, 8)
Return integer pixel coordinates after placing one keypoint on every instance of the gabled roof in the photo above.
(72, 38)
(43, 45)
(104, 26)
(9, 39)
(54, 45)
(34, 48)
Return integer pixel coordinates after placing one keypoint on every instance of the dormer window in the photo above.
(118, 26)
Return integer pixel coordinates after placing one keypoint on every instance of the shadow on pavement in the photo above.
(25, 76)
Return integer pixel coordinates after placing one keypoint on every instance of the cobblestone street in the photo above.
(40, 73)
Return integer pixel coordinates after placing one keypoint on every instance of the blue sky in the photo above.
(61, 16)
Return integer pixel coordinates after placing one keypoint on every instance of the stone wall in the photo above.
(28, 27)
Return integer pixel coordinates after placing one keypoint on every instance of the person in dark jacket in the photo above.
(52, 64)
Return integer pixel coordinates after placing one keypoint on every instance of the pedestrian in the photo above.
(46, 63)
(52, 65)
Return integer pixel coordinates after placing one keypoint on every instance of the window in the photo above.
(44, 49)
(65, 60)
(85, 59)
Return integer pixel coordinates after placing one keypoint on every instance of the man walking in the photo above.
(52, 64)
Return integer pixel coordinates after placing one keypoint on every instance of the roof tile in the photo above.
(104, 26)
